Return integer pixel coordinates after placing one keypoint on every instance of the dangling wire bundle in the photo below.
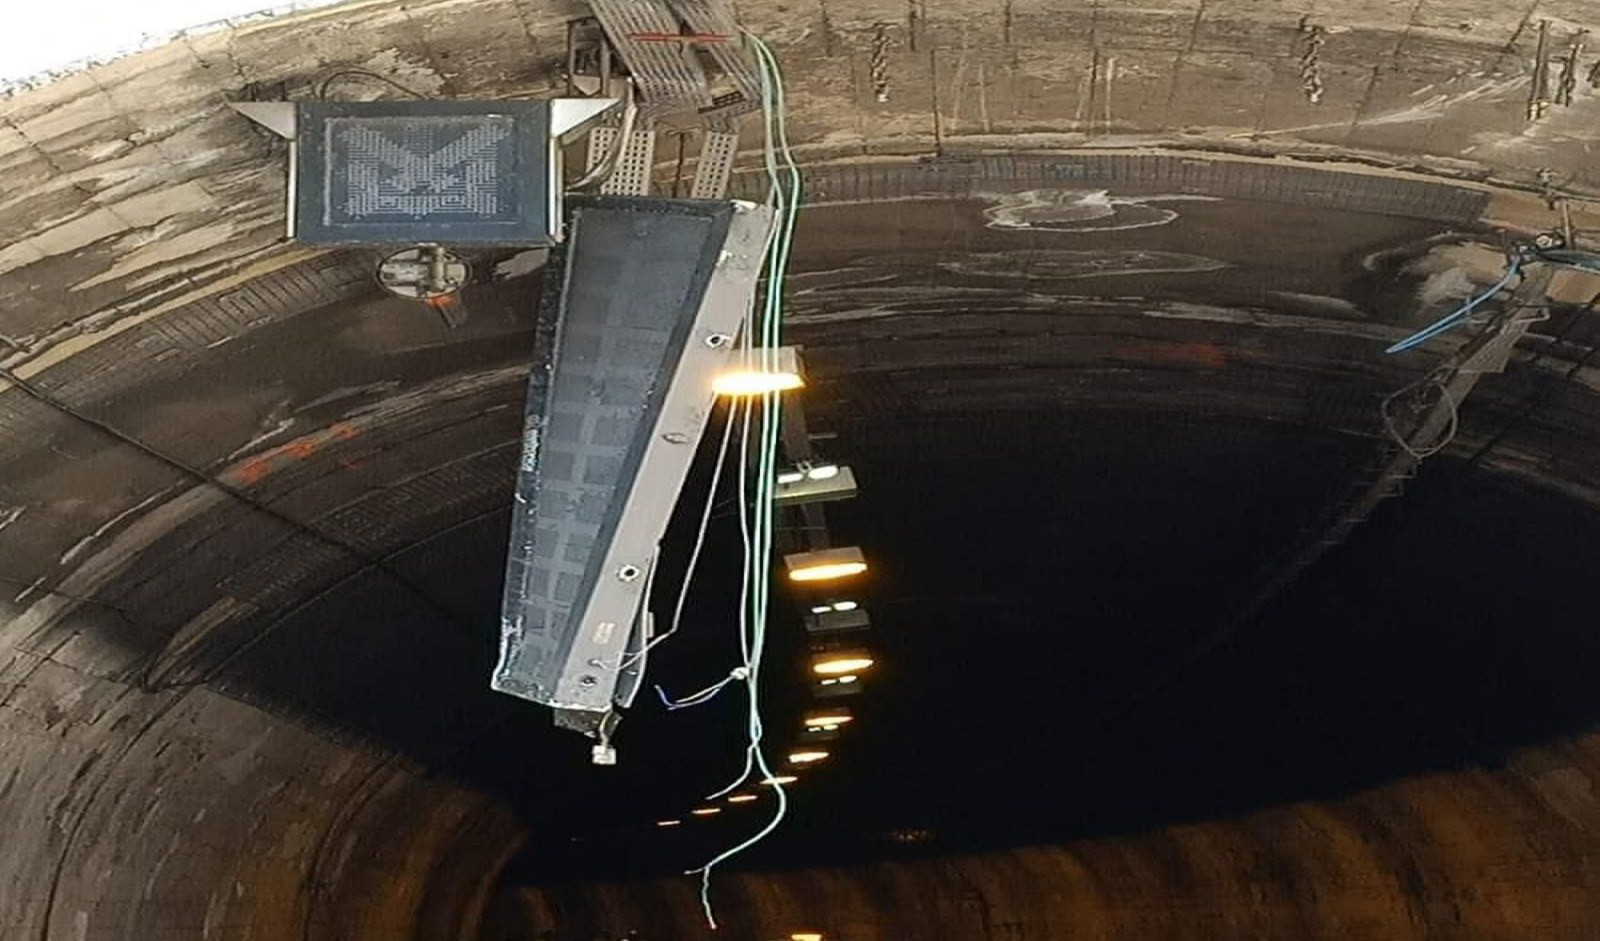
(1449, 321)
(756, 514)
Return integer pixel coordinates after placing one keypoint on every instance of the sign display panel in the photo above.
(445, 172)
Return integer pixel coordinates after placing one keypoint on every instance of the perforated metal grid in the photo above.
(372, 173)
(712, 17)
(718, 149)
(600, 140)
(669, 76)
(632, 174)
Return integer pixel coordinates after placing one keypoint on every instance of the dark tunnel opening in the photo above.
(1041, 567)
(1015, 709)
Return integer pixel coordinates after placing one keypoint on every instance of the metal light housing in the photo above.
(761, 372)
(825, 565)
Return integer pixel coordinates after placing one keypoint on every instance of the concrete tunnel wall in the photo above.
(189, 815)
(1486, 855)
(135, 206)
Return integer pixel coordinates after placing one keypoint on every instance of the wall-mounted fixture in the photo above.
(825, 565)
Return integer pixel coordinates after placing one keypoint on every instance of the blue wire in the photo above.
(695, 700)
(738, 674)
(1513, 267)
(1583, 261)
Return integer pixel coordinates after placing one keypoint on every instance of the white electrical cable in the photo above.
(754, 532)
(694, 554)
(748, 572)
(756, 517)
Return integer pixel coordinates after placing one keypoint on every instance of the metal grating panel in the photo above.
(634, 167)
(714, 18)
(600, 140)
(669, 77)
(718, 148)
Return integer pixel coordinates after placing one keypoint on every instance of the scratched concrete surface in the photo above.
(211, 440)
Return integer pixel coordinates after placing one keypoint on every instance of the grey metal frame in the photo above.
(530, 181)
(579, 670)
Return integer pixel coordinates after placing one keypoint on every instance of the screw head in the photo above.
(628, 573)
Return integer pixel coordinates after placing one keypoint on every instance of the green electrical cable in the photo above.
(757, 519)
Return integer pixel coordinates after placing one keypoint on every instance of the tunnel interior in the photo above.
(1093, 301)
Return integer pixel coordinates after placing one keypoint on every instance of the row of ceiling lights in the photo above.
(835, 669)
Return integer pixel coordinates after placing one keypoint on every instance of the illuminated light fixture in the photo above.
(841, 663)
(783, 375)
(814, 483)
(668, 823)
(823, 725)
(805, 936)
(838, 621)
(706, 811)
(776, 780)
(807, 757)
(827, 719)
(742, 798)
(835, 606)
(834, 687)
(825, 564)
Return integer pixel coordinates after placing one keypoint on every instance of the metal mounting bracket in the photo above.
(279, 117)
(568, 116)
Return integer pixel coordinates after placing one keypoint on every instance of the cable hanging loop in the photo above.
(1418, 406)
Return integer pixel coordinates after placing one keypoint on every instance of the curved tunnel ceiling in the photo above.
(1093, 298)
